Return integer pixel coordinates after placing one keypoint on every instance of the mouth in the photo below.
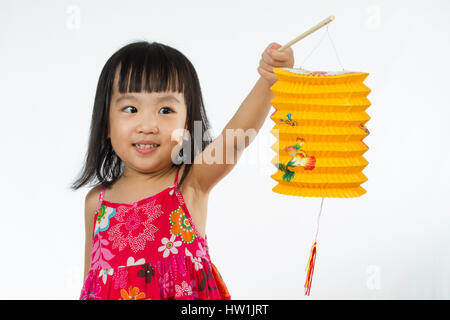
(145, 148)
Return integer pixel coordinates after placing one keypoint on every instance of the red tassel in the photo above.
(310, 266)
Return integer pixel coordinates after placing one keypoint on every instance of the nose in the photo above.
(147, 124)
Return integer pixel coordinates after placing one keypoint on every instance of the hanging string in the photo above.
(318, 220)
(325, 33)
(335, 51)
(312, 257)
(314, 49)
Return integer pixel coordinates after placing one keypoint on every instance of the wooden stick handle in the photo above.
(307, 33)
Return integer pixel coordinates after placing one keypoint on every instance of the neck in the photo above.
(140, 177)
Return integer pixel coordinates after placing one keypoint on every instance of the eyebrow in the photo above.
(168, 97)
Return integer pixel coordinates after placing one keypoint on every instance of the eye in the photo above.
(128, 107)
(166, 108)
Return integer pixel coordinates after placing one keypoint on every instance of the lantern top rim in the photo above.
(319, 72)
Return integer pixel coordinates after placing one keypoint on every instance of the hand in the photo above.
(272, 58)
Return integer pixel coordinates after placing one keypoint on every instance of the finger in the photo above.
(267, 58)
(281, 56)
(267, 75)
(270, 49)
(273, 63)
(274, 46)
(265, 66)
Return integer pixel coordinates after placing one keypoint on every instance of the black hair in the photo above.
(149, 67)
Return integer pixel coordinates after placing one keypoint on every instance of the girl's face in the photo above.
(143, 116)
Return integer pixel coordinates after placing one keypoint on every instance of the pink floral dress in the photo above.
(150, 250)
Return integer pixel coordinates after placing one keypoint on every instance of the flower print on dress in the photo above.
(183, 290)
(196, 261)
(207, 279)
(181, 226)
(103, 216)
(147, 271)
(169, 246)
(194, 289)
(100, 255)
(90, 289)
(134, 227)
(142, 274)
(104, 274)
(120, 278)
(131, 262)
(202, 252)
(132, 294)
(166, 285)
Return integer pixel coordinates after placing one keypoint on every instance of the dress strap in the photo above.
(175, 183)
(100, 198)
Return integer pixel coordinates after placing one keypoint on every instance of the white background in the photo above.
(391, 243)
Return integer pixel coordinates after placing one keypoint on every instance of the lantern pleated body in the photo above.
(320, 122)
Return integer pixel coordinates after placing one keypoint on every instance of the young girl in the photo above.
(145, 216)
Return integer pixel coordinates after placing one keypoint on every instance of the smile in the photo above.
(145, 148)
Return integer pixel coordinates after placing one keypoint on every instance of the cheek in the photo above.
(119, 133)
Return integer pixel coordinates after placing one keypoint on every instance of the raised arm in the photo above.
(254, 109)
(222, 154)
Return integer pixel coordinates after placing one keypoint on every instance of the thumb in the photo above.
(275, 46)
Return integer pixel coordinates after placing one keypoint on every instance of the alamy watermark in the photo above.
(373, 281)
(373, 20)
(231, 141)
(73, 17)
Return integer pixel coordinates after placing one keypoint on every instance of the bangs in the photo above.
(149, 68)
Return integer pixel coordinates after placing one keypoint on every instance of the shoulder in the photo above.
(91, 200)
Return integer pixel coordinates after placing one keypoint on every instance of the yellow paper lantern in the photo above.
(320, 122)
